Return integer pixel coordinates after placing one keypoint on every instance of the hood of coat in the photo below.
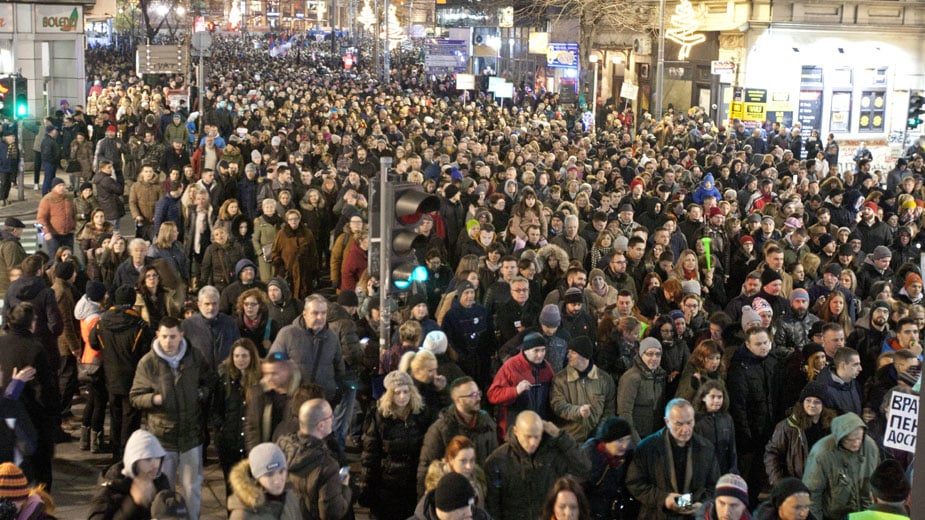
(844, 424)
(85, 308)
(28, 287)
(245, 486)
(303, 452)
(283, 287)
(141, 445)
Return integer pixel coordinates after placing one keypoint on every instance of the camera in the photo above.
(684, 501)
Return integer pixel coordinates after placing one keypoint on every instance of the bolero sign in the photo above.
(58, 19)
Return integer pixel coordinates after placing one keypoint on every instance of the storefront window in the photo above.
(840, 116)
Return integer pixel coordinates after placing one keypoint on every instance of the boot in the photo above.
(96, 438)
(84, 438)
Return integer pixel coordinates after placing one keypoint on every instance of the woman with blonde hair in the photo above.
(168, 248)
(834, 309)
(459, 457)
(392, 441)
(686, 268)
(230, 209)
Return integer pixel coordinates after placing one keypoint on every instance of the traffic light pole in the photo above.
(386, 217)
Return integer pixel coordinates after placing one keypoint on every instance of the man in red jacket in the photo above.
(523, 383)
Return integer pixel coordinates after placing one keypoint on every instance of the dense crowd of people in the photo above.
(657, 319)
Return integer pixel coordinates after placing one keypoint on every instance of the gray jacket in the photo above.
(318, 356)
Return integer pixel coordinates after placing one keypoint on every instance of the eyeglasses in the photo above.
(473, 395)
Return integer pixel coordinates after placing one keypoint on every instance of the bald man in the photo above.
(313, 468)
(523, 469)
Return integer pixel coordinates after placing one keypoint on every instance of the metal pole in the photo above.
(385, 246)
(594, 101)
(202, 87)
(660, 68)
(386, 69)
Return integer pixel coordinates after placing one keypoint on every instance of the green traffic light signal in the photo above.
(21, 103)
(22, 107)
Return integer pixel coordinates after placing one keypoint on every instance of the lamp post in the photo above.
(594, 59)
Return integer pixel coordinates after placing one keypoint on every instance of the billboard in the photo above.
(443, 56)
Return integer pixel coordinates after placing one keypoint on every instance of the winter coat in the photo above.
(49, 322)
(440, 468)
(518, 483)
(177, 421)
(69, 341)
(218, 264)
(142, 199)
(448, 425)
(123, 338)
(317, 354)
(838, 480)
(287, 310)
(353, 267)
(786, 452)
(640, 397)
(264, 235)
(213, 338)
(390, 457)
(39, 397)
(840, 396)
(469, 330)
(868, 275)
(228, 413)
(750, 382)
(294, 256)
(345, 327)
(717, 428)
(503, 390)
(872, 235)
(12, 254)
(606, 482)
(109, 196)
(794, 332)
(169, 209)
(266, 410)
(113, 499)
(56, 214)
(649, 480)
(313, 471)
(82, 154)
(249, 501)
(427, 509)
(570, 392)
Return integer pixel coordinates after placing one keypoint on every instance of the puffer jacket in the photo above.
(503, 390)
(390, 457)
(448, 425)
(717, 428)
(570, 392)
(313, 472)
(794, 332)
(838, 479)
(518, 482)
(317, 354)
(639, 398)
(123, 338)
(249, 501)
(177, 422)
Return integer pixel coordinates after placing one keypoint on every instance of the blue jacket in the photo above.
(169, 209)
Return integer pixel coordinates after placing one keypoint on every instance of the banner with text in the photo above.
(902, 428)
(443, 56)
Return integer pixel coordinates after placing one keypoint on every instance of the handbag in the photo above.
(87, 372)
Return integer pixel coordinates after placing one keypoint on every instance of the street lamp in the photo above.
(594, 59)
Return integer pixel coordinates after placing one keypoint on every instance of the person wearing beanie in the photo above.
(260, 486)
(876, 268)
(69, 342)
(523, 469)
(889, 490)
(785, 454)
(583, 395)
(283, 308)
(453, 498)
(750, 318)
(393, 431)
(577, 319)
(642, 388)
(911, 292)
(466, 325)
(523, 382)
(610, 452)
(729, 502)
(550, 322)
(130, 485)
(796, 322)
(789, 500)
(839, 468)
(245, 277)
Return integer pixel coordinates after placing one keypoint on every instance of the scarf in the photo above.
(173, 361)
(610, 460)
(251, 324)
(688, 473)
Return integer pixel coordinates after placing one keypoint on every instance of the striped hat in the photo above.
(13, 484)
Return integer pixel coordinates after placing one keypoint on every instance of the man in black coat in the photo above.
(31, 287)
(518, 314)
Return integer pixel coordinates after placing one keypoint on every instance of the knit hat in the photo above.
(815, 329)
(881, 304)
(746, 239)
(690, 287)
(784, 489)
(96, 291)
(749, 316)
(648, 344)
(845, 250)
(913, 278)
(453, 492)
(450, 191)
(125, 295)
(595, 273)
(550, 316)
(675, 314)
(397, 378)
(111, 128)
(348, 299)
(471, 223)
(574, 295)
(64, 270)
(825, 239)
(533, 340)
(888, 482)
(634, 183)
(799, 294)
(435, 341)
(56, 181)
(414, 300)
(13, 484)
(761, 305)
(881, 252)
(811, 349)
(793, 222)
(833, 269)
(769, 276)
(732, 485)
(582, 346)
(872, 205)
(813, 389)
(265, 458)
(613, 429)
(168, 504)
(714, 211)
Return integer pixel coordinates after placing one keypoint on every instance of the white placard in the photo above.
(465, 82)
(629, 90)
(494, 83)
(902, 427)
(505, 90)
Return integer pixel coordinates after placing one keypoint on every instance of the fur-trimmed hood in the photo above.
(245, 487)
(553, 250)
(250, 497)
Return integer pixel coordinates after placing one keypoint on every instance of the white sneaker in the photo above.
(35, 187)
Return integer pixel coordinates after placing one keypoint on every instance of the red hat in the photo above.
(639, 182)
(746, 238)
(714, 211)
(111, 128)
(872, 205)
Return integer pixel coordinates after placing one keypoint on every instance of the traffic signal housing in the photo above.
(21, 105)
(14, 98)
(409, 204)
(916, 109)
(6, 97)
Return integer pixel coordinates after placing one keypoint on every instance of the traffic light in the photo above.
(22, 98)
(410, 203)
(914, 118)
(6, 98)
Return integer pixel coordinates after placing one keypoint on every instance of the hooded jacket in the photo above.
(838, 479)
(287, 309)
(640, 396)
(503, 390)
(702, 191)
(249, 501)
(12, 254)
(114, 501)
(427, 509)
(123, 338)
(313, 472)
(32, 289)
